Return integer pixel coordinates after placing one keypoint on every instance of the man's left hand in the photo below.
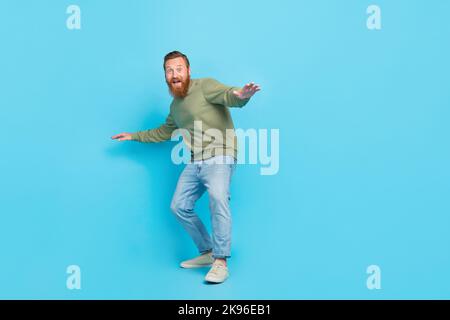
(247, 91)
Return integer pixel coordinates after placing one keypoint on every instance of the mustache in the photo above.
(175, 80)
(179, 91)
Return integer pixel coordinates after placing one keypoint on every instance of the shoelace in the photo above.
(216, 267)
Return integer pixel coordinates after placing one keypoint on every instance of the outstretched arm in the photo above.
(218, 93)
(162, 133)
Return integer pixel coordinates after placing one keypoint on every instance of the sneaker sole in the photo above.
(193, 266)
(215, 281)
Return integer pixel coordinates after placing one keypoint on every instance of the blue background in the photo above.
(364, 148)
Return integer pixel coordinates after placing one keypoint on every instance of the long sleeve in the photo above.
(162, 133)
(218, 93)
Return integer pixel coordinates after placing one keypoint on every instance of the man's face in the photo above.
(177, 77)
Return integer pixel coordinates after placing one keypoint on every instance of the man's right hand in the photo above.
(122, 136)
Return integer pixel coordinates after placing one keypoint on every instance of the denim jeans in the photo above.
(214, 176)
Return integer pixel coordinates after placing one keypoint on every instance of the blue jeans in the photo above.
(212, 175)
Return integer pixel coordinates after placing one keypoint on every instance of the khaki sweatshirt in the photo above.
(204, 120)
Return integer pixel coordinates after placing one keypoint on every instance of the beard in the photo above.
(179, 91)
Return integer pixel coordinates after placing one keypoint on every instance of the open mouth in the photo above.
(176, 81)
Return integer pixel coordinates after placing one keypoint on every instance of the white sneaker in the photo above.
(205, 260)
(218, 273)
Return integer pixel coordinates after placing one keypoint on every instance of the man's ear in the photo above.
(189, 71)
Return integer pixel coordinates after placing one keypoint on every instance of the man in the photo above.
(201, 103)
